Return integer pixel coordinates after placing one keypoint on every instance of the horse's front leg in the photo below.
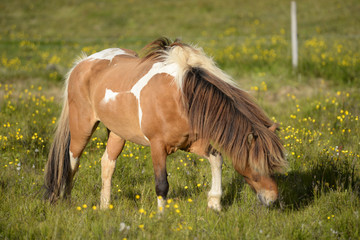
(202, 148)
(158, 155)
(214, 195)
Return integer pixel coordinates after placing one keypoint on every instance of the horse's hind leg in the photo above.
(215, 159)
(82, 125)
(114, 147)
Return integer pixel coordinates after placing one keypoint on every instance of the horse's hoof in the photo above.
(214, 204)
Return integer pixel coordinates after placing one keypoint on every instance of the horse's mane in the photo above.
(219, 111)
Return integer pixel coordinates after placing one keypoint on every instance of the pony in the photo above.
(173, 98)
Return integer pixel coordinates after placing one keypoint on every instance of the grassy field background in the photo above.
(317, 106)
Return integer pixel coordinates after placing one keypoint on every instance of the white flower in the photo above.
(123, 227)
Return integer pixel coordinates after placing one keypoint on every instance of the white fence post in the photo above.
(294, 41)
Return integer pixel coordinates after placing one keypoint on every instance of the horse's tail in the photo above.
(58, 169)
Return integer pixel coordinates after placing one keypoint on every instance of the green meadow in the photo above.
(317, 105)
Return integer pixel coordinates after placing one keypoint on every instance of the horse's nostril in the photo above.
(266, 198)
(261, 199)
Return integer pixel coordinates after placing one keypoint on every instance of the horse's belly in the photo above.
(118, 111)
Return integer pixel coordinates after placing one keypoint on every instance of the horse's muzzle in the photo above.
(267, 197)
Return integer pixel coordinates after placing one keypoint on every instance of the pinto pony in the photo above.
(174, 97)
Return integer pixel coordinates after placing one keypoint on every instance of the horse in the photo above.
(172, 98)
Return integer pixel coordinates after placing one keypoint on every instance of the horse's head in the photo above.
(264, 186)
(260, 181)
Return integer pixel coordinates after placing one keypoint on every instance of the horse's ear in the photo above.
(274, 127)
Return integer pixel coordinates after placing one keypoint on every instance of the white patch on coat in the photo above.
(161, 204)
(109, 96)
(73, 161)
(157, 68)
(107, 54)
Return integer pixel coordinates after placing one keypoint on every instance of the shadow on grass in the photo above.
(232, 191)
(298, 189)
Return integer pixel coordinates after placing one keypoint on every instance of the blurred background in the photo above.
(41, 38)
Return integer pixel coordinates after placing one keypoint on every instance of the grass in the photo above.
(317, 106)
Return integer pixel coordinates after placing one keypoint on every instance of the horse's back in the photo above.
(90, 72)
(129, 103)
(99, 83)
